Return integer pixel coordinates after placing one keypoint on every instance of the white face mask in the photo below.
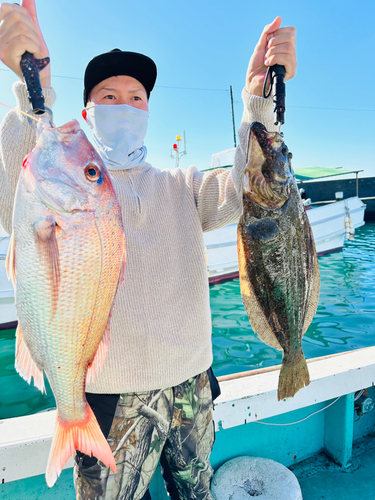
(119, 131)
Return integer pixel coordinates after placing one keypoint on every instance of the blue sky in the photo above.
(203, 47)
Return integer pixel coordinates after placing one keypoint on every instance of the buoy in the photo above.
(245, 477)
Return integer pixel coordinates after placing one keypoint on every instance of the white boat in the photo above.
(321, 184)
(326, 427)
(331, 223)
(327, 222)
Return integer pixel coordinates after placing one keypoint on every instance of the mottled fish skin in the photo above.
(66, 259)
(279, 272)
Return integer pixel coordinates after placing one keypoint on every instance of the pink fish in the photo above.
(66, 261)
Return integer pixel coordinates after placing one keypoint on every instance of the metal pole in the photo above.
(234, 126)
(356, 183)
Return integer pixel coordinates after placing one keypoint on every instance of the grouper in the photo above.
(279, 272)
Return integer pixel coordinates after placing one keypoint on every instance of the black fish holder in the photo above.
(30, 70)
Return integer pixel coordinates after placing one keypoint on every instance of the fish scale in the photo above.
(66, 259)
(279, 272)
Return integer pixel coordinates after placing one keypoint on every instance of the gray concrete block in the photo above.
(245, 477)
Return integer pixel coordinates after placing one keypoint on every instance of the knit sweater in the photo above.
(161, 321)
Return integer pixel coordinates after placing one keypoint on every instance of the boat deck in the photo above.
(319, 478)
(340, 386)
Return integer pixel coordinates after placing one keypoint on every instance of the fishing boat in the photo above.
(327, 428)
(321, 185)
(332, 221)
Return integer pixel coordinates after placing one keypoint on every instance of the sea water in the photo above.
(345, 320)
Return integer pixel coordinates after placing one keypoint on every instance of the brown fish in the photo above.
(279, 272)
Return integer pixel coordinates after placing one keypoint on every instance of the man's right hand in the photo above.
(20, 32)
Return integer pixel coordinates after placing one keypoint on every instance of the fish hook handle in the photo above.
(276, 73)
(30, 70)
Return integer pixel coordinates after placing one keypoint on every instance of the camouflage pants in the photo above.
(176, 420)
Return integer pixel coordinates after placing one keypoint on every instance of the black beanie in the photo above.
(117, 62)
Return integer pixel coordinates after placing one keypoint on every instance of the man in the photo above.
(153, 398)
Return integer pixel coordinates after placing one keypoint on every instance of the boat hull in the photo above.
(249, 420)
(323, 190)
(327, 223)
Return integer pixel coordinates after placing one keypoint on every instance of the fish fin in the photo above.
(96, 365)
(314, 298)
(85, 436)
(10, 261)
(293, 377)
(48, 251)
(25, 365)
(259, 323)
(122, 271)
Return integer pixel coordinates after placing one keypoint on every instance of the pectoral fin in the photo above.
(10, 261)
(48, 252)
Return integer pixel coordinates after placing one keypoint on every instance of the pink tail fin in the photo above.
(84, 436)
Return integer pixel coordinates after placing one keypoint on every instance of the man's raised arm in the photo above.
(19, 32)
(218, 193)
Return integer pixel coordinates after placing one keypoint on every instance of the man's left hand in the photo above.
(276, 46)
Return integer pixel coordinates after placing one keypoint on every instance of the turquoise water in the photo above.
(345, 320)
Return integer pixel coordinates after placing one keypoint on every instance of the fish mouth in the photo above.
(268, 175)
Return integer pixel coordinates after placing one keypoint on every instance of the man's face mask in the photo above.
(119, 131)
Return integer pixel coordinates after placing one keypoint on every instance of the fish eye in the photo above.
(92, 173)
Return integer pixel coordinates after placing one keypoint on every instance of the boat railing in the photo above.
(247, 397)
(221, 245)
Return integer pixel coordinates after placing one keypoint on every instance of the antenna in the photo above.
(175, 151)
(234, 126)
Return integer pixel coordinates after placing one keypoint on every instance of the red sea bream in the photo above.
(66, 260)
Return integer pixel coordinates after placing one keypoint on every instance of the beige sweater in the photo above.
(161, 321)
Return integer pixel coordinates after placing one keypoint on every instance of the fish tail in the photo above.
(293, 377)
(84, 436)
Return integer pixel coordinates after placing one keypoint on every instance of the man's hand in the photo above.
(20, 32)
(276, 46)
